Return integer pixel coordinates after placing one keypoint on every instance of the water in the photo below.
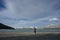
(30, 30)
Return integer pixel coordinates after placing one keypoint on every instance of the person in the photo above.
(34, 30)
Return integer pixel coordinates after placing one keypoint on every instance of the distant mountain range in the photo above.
(53, 26)
(2, 26)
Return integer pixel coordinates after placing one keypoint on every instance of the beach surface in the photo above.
(29, 36)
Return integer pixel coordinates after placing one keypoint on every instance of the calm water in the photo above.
(30, 30)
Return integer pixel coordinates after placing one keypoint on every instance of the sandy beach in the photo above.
(29, 36)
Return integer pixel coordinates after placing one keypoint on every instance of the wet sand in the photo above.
(29, 36)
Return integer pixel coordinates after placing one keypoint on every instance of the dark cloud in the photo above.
(2, 5)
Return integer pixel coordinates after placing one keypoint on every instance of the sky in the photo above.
(29, 13)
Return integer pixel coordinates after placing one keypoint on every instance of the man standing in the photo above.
(34, 30)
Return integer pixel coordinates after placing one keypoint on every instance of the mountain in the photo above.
(53, 26)
(2, 26)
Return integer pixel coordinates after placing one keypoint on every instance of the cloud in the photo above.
(31, 23)
(30, 9)
(53, 19)
(2, 5)
(19, 13)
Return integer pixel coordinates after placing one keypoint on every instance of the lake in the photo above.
(31, 30)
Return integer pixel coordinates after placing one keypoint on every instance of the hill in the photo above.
(2, 26)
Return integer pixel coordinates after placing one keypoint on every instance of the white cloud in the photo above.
(29, 23)
(53, 19)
